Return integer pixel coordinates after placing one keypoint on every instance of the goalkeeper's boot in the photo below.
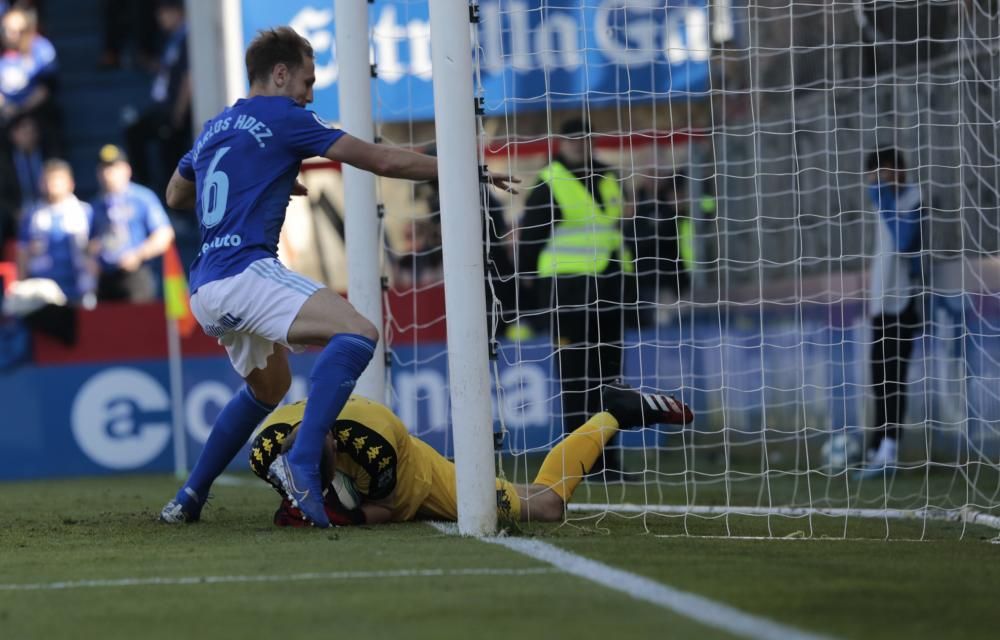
(634, 409)
(184, 508)
(303, 488)
(884, 461)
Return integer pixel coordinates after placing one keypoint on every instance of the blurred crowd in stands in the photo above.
(68, 252)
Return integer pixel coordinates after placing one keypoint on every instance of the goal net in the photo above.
(752, 274)
(758, 282)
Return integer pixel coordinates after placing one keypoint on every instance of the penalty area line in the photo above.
(701, 609)
(293, 577)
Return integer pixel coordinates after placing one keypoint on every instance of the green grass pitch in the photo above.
(411, 581)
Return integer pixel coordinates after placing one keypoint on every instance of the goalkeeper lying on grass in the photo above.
(398, 477)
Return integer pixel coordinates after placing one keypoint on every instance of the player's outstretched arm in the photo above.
(383, 160)
(393, 162)
(180, 192)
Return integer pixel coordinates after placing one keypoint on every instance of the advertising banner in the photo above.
(533, 54)
(750, 371)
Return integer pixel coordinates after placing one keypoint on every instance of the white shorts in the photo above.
(253, 310)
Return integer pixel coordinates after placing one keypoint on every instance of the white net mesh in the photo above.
(763, 295)
(738, 135)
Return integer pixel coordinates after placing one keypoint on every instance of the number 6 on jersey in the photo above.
(215, 192)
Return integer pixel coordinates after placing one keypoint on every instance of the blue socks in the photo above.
(231, 430)
(333, 378)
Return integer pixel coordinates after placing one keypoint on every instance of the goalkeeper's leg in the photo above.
(543, 501)
(566, 465)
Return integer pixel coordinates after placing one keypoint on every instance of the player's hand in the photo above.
(299, 189)
(502, 182)
(339, 515)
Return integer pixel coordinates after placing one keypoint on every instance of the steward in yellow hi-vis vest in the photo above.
(588, 235)
(576, 269)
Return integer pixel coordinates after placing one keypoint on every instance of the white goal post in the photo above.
(461, 231)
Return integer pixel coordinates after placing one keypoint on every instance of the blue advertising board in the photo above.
(533, 54)
(750, 371)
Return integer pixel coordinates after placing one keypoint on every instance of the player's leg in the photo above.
(569, 461)
(890, 360)
(897, 348)
(880, 358)
(885, 373)
(907, 329)
(264, 389)
(251, 314)
(326, 315)
(327, 320)
(540, 503)
(563, 468)
(544, 500)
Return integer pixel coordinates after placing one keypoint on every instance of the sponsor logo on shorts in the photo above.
(224, 325)
(230, 321)
(228, 240)
(215, 331)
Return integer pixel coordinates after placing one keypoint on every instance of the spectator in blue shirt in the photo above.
(52, 243)
(130, 229)
(27, 69)
(167, 121)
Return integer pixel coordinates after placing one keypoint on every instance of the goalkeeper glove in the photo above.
(340, 516)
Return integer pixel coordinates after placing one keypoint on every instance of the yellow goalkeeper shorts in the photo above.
(442, 501)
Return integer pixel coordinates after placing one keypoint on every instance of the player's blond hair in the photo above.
(271, 47)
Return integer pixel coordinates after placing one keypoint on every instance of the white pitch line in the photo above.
(228, 480)
(698, 608)
(294, 577)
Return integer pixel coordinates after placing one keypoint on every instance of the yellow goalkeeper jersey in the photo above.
(374, 449)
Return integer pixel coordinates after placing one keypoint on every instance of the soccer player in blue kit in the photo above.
(239, 177)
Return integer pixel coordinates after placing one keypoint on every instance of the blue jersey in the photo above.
(123, 221)
(900, 207)
(21, 73)
(244, 165)
(55, 237)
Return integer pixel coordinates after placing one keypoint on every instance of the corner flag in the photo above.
(175, 292)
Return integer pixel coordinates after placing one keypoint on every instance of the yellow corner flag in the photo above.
(175, 292)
